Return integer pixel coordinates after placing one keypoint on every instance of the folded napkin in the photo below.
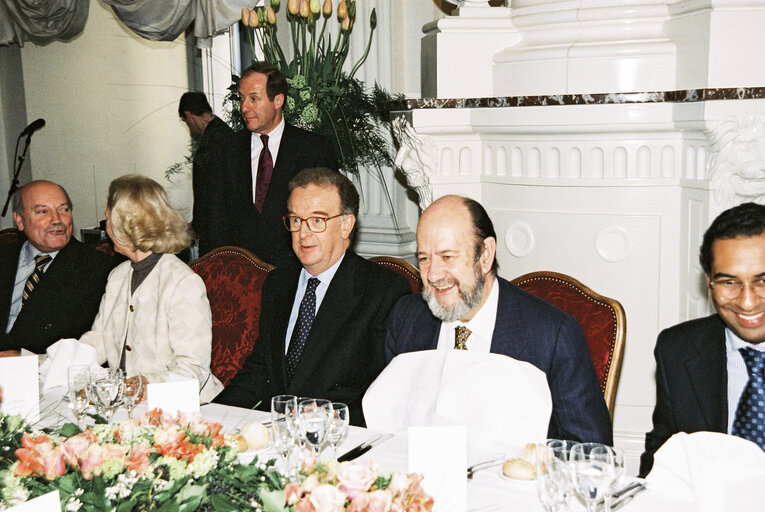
(61, 355)
(717, 472)
(504, 403)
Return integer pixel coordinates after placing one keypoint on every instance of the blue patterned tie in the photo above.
(750, 413)
(302, 326)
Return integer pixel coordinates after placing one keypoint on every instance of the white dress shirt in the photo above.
(324, 279)
(256, 146)
(738, 375)
(24, 269)
(481, 326)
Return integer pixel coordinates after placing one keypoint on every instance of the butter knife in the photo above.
(364, 447)
(622, 496)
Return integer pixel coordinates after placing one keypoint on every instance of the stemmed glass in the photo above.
(618, 473)
(314, 416)
(561, 449)
(133, 392)
(338, 427)
(552, 476)
(592, 470)
(78, 377)
(107, 389)
(283, 418)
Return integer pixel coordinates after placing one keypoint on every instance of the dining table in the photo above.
(488, 490)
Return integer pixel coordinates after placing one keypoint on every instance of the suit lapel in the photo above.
(506, 323)
(708, 374)
(9, 262)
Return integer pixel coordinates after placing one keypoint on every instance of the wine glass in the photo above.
(283, 427)
(133, 392)
(78, 377)
(314, 416)
(552, 476)
(338, 426)
(107, 389)
(592, 469)
(618, 473)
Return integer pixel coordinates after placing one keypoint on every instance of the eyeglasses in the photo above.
(730, 289)
(315, 224)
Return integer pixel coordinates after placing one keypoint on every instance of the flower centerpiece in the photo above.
(323, 97)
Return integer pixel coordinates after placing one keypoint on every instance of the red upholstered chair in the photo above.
(603, 322)
(234, 279)
(9, 236)
(402, 267)
(105, 246)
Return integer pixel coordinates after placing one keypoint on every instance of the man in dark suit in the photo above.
(68, 278)
(465, 305)
(209, 132)
(251, 203)
(706, 368)
(322, 323)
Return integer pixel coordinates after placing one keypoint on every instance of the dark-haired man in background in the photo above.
(709, 371)
(465, 305)
(322, 321)
(209, 132)
(261, 160)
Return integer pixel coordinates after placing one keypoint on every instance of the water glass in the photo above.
(78, 377)
(592, 470)
(133, 392)
(107, 389)
(314, 416)
(284, 429)
(338, 427)
(616, 480)
(552, 477)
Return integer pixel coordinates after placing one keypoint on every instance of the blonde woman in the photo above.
(154, 317)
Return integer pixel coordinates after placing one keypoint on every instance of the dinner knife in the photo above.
(622, 496)
(363, 448)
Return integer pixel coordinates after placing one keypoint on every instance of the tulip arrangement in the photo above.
(324, 96)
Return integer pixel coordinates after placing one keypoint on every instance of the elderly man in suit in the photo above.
(709, 371)
(322, 323)
(465, 305)
(50, 284)
(259, 162)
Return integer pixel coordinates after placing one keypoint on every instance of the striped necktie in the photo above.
(40, 261)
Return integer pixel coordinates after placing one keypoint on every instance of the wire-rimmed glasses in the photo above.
(731, 289)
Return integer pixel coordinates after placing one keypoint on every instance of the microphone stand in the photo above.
(15, 182)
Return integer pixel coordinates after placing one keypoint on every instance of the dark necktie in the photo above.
(750, 413)
(40, 261)
(461, 334)
(265, 171)
(302, 326)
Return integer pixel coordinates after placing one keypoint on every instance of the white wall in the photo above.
(110, 100)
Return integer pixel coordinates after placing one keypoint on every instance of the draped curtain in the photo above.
(43, 21)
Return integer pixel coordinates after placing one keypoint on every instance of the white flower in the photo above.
(73, 505)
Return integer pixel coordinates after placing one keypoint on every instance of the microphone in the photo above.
(33, 127)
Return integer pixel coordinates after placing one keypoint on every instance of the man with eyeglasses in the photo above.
(709, 372)
(322, 322)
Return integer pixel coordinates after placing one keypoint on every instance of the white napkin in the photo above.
(505, 403)
(717, 472)
(61, 355)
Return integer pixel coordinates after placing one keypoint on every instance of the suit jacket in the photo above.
(528, 329)
(691, 383)
(165, 325)
(205, 177)
(344, 352)
(236, 221)
(64, 302)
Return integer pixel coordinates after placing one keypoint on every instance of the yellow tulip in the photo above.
(305, 9)
(271, 15)
(346, 24)
(315, 7)
(327, 8)
(245, 17)
(293, 6)
(254, 22)
(342, 10)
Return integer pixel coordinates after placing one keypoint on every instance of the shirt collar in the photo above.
(325, 277)
(29, 251)
(733, 343)
(483, 321)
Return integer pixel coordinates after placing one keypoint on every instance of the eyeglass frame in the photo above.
(285, 219)
(741, 286)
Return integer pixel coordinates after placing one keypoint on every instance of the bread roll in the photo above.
(256, 435)
(518, 469)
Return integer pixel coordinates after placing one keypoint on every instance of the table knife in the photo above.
(363, 448)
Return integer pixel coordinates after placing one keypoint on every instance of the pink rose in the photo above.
(75, 446)
(327, 498)
(399, 483)
(355, 478)
(375, 501)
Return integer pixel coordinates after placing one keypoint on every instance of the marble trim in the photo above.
(679, 96)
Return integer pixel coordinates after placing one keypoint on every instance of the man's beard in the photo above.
(469, 298)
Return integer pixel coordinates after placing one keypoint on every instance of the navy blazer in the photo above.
(528, 329)
(234, 220)
(691, 383)
(62, 305)
(344, 352)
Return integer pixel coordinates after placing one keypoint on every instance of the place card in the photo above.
(171, 397)
(21, 387)
(46, 503)
(440, 455)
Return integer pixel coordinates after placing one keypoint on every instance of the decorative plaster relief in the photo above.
(613, 244)
(416, 158)
(519, 239)
(737, 161)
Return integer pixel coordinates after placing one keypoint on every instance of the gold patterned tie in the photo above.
(461, 334)
(40, 261)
